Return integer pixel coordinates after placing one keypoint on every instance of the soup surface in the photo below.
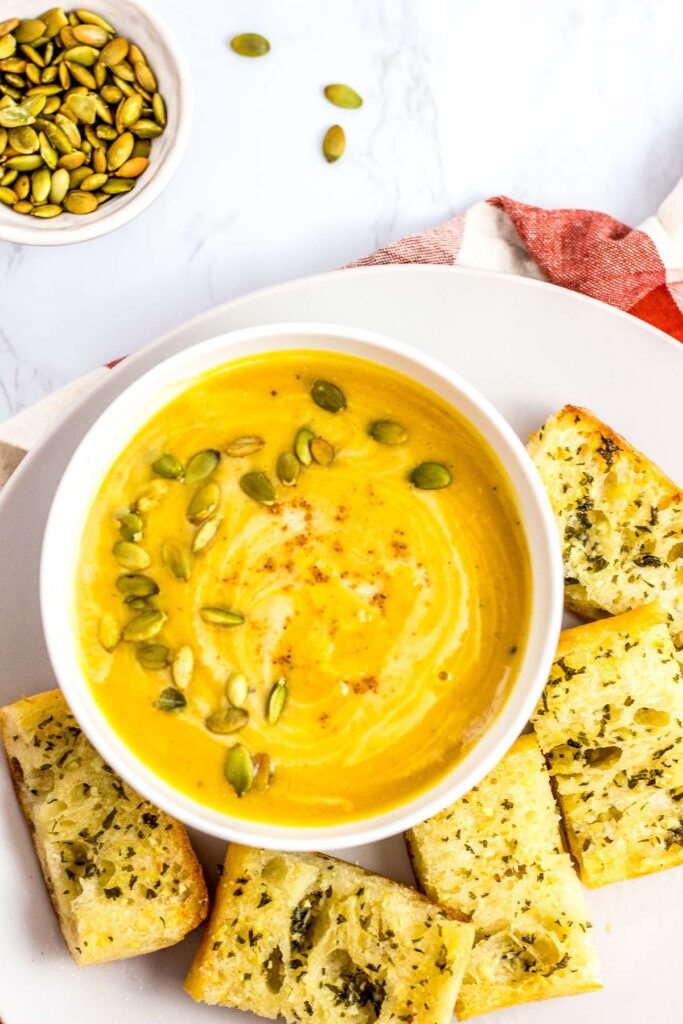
(313, 638)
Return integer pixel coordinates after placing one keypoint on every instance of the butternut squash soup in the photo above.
(304, 589)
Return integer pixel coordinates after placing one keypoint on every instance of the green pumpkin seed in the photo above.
(206, 534)
(58, 189)
(114, 52)
(227, 720)
(168, 466)
(256, 485)
(264, 772)
(388, 432)
(48, 152)
(83, 107)
(93, 182)
(84, 56)
(328, 396)
(23, 206)
(8, 196)
(34, 105)
(8, 26)
(243, 446)
(8, 46)
(182, 667)
(4, 137)
(15, 117)
(55, 19)
(82, 75)
(40, 186)
(46, 212)
(302, 446)
(239, 769)
(276, 701)
(201, 466)
(109, 632)
(130, 526)
(25, 163)
(170, 699)
(430, 476)
(153, 656)
(334, 143)
(343, 96)
(129, 111)
(142, 147)
(144, 626)
(177, 559)
(136, 585)
(118, 186)
(120, 150)
(131, 556)
(288, 469)
(80, 202)
(250, 44)
(146, 129)
(29, 30)
(237, 690)
(91, 35)
(219, 616)
(24, 139)
(23, 183)
(204, 503)
(159, 109)
(93, 19)
(145, 77)
(322, 451)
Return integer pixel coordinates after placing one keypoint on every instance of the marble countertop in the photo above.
(572, 103)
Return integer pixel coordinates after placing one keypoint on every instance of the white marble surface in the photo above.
(570, 103)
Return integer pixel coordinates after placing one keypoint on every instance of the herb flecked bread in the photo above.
(121, 874)
(310, 938)
(620, 518)
(496, 855)
(609, 723)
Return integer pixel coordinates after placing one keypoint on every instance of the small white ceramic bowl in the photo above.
(136, 22)
(115, 429)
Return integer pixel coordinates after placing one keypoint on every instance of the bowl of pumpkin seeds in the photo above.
(95, 113)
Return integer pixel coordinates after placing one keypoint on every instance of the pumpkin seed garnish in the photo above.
(204, 503)
(168, 466)
(334, 143)
(250, 44)
(130, 527)
(144, 626)
(288, 469)
(176, 558)
(239, 769)
(388, 432)
(302, 446)
(182, 667)
(227, 720)
(170, 699)
(328, 396)
(136, 585)
(206, 534)
(109, 632)
(130, 556)
(276, 701)
(152, 656)
(322, 451)
(430, 476)
(237, 690)
(219, 616)
(263, 772)
(256, 485)
(201, 466)
(343, 96)
(243, 446)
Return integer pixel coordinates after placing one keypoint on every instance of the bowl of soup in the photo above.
(301, 586)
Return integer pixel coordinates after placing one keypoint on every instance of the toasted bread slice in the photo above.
(305, 936)
(121, 874)
(609, 723)
(496, 855)
(620, 518)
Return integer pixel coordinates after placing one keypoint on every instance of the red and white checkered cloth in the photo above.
(639, 270)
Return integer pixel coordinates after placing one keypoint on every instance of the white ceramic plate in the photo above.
(529, 347)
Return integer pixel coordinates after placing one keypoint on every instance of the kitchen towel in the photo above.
(639, 270)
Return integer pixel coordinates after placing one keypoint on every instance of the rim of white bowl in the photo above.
(30, 231)
(132, 408)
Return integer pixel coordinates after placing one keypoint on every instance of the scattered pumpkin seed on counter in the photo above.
(79, 108)
(343, 96)
(250, 44)
(334, 143)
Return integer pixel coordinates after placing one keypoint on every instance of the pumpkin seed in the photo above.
(201, 466)
(109, 632)
(145, 77)
(93, 182)
(168, 466)
(34, 105)
(334, 143)
(288, 469)
(8, 196)
(204, 503)
(120, 150)
(388, 432)
(48, 152)
(8, 46)
(30, 162)
(8, 26)
(131, 556)
(322, 451)
(133, 168)
(118, 186)
(227, 720)
(40, 185)
(144, 626)
(47, 211)
(343, 96)
(328, 396)
(256, 485)
(263, 772)
(430, 476)
(114, 52)
(80, 202)
(29, 30)
(23, 183)
(93, 19)
(170, 699)
(219, 616)
(182, 667)
(23, 206)
(159, 109)
(130, 110)
(276, 701)
(24, 139)
(177, 559)
(239, 769)
(85, 56)
(83, 107)
(237, 690)
(243, 446)
(130, 526)
(91, 35)
(206, 534)
(15, 117)
(59, 187)
(250, 44)
(136, 585)
(302, 446)
(154, 656)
